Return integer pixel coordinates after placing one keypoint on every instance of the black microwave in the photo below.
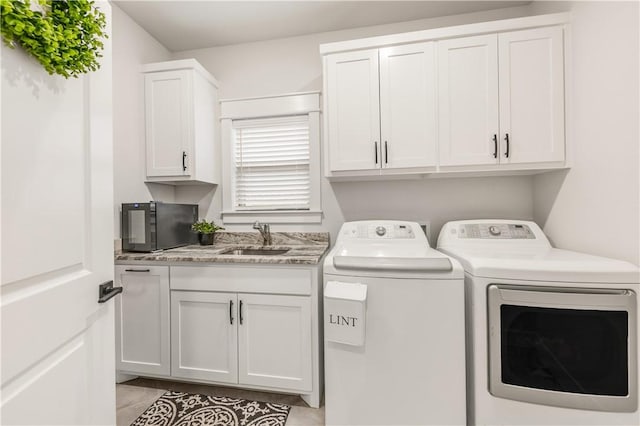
(154, 226)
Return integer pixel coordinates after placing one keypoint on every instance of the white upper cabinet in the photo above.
(180, 112)
(531, 69)
(468, 100)
(485, 97)
(408, 106)
(353, 110)
(381, 109)
(167, 116)
(501, 98)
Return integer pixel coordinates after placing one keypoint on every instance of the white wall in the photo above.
(436, 200)
(294, 65)
(595, 206)
(132, 46)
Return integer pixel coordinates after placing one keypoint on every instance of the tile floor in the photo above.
(135, 396)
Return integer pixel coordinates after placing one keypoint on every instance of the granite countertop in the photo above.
(304, 248)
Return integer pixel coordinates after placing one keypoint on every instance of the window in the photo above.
(271, 164)
(271, 159)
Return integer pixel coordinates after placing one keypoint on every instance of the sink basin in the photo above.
(255, 252)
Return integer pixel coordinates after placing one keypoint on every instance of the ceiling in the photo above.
(185, 25)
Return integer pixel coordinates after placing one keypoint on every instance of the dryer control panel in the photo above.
(505, 231)
(481, 234)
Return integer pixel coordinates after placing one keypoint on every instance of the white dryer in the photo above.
(552, 334)
(393, 328)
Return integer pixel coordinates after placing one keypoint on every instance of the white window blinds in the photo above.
(272, 163)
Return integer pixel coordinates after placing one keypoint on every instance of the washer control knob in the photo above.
(494, 230)
(381, 230)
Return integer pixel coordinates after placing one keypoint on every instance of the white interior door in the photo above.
(274, 341)
(532, 95)
(204, 336)
(408, 105)
(468, 100)
(353, 110)
(57, 244)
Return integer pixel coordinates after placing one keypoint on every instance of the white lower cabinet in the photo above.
(274, 341)
(204, 336)
(252, 326)
(142, 319)
(251, 339)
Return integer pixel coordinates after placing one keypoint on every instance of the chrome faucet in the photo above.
(265, 231)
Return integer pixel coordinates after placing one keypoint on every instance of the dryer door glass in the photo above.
(568, 350)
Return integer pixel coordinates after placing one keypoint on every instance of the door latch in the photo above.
(106, 291)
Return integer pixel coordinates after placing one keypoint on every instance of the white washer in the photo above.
(410, 367)
(552, 334)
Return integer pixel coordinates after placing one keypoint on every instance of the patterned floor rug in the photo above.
(184, 409)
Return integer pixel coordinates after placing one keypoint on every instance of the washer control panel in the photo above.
(503, 231)
(377, 230)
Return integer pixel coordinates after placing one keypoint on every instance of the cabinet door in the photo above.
(142, 319)
(408, 105)
(168, 119)
(275, 341)
(353, 110)
(204, 336)
(532, 95)
(468, 100)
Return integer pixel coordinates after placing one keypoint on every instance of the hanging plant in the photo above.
(65, 36)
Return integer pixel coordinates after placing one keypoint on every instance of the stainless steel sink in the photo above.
(255, 252)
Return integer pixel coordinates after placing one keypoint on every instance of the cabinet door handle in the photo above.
(506, 138)
(184, 161)
(137, 270)
(231, 312)
(495, 146)
(240, 311)
(386, 153)
(375, 146)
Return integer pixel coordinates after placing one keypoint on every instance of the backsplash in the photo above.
(277, 238)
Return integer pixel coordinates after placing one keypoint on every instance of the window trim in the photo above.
(306, 103)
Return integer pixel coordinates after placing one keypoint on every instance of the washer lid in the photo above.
(535, 264)
(393, 263)
(391, 257)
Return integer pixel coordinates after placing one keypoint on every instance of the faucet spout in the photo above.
(265, 231)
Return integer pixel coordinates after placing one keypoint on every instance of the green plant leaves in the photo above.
(204, 227)
(66, 39)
